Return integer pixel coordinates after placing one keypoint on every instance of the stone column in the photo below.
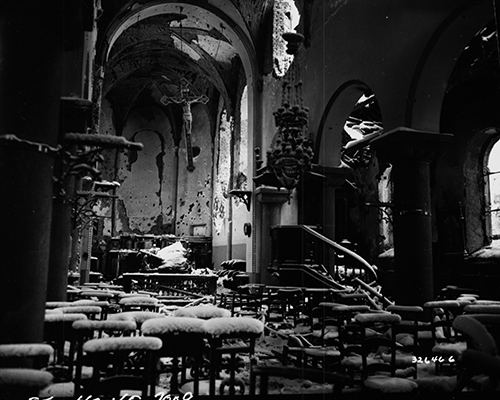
(268, 211)
(30, 71)
(76, 116)
(411, 152)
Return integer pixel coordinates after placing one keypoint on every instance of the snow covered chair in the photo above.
(85, 330)
(121, 364)
(203, 311)
(230, 336)
(313, 297)
(58, 331)
(98, 294)
(33, 355)
(139, 303)
(408, 333)
(247, 300)
(139, 317)
(183, 342)
(446, 342)
(92, 312)
(22, 383)
(377, 349)
(481, 355)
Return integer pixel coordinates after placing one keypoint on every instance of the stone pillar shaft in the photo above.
(411, 152)
(30, 50)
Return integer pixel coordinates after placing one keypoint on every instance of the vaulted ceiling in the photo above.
(155, 50)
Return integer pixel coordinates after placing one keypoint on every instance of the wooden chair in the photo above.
(446, 342)
(377, 348)
(85, 330)
(203, 311)
(183, 341)
(222, 334)
(92, 312)
(313, 297)
(58, 331)
(481, 356)
(22, 383)
(121, 364)
(406, 334)
(30, 355)
(136, 303)
(139, 317)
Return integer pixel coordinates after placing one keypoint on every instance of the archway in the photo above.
(148, 49)
(427, 91)
(351, 113)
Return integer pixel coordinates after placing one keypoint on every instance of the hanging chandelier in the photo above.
(291, 152)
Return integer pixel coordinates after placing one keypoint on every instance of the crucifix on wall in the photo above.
(185, 99)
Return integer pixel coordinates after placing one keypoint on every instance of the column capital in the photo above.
(403, 143)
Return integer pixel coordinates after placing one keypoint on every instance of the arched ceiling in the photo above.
(151, 45)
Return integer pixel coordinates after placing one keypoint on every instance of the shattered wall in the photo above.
(221, 168)
(194, 199)
(147, 198)
(147, 178)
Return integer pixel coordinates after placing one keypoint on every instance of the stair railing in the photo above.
(365, 264)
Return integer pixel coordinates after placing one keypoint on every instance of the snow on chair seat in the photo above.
(89, 302)
(161, 326)
(233, 325)
(450, 349)
(25, 350)
(122, 344)
(57, 304)
(80, 310)
(138, 316)
(202, 311)
(355, 308)
(100, 294)
(61, 317)
(369, 318)
(482, 309)
(24, 377)
(404, 309)
(138, 301)
(388, 384)
(355, 361)
(105, 325)
(322, 352)
(442, 304)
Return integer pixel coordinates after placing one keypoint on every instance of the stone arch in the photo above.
(339, 107)
(437, 61)
(220, 12)
(477, 227)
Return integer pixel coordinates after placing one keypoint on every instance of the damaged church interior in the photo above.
(249, 198)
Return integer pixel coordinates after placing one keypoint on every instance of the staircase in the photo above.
(304, 257)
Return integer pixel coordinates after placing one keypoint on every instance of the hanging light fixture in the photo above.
(291, 153)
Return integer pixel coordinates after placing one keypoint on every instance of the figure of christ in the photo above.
(185, 100)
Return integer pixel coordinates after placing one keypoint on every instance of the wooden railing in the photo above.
(185, 283)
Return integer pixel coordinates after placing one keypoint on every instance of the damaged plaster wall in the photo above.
(147, 178)
(194, 200)
(241, 181)
(147, 201)
(221, 169)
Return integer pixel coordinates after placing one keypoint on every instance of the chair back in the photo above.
(476, 334)
(121, 364)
